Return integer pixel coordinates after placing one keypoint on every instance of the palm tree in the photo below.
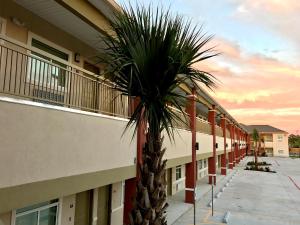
(151, 55)
(255, 137)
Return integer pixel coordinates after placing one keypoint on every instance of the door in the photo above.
(104, 205)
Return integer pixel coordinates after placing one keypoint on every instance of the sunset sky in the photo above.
(259, 68)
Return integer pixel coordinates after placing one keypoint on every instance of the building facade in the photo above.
(64, 158)
(273, 141)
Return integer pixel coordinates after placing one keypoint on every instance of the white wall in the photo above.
(39, 143)
(205, 143)
(67, 210)
(220, 141)
(117, 200)
(182, 146)
(280, 147)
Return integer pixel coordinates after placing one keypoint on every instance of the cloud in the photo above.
(255, 88)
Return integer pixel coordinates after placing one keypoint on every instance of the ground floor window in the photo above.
(45, 213)
(178, 172)
(200, 164)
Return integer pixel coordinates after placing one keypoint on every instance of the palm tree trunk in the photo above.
(150, 203)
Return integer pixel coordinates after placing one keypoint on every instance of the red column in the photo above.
(230, 153)
(130, 184)
(190, 169)
(212, 160)
(224, 156)
(237, 146)
(234, 145)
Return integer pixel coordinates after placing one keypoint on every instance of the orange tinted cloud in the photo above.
(255, 88)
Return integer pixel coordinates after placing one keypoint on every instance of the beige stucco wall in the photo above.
(182, 146)
(50, 143)
(41, 27)
(280, 145)
(220, 141)
(205, 143)
(5, 218)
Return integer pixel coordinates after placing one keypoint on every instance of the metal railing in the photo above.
(203, 126)
(219, 131)
(33, 76)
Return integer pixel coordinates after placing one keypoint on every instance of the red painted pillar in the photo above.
(234, 145)
(212, 160)
(230, 153)
(224, 156)
(237, 146)
(130, 184)
(190, 169)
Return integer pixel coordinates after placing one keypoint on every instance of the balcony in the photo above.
(30, 75)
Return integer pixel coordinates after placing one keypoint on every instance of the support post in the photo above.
(224, 155)
(212, 160)
(190, 179)
(130, 184)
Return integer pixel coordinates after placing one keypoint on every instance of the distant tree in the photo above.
(255, 137)
(294, 141)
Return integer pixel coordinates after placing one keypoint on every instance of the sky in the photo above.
(259, 66)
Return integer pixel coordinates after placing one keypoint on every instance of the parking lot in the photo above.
(253, 197)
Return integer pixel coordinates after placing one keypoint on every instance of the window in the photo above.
(280, 151)
(45, 70)
(280, 138)
(205, 162)
(268, 138)
(200, 164)
(45, 213)
(178, 172)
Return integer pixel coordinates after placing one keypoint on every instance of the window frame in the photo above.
(180, 172)
(52, 58)
(58, 212)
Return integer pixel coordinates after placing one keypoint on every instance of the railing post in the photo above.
(212, 160)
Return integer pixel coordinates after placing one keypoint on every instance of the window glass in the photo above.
(178, 172)
(46, 48)
(39, 214)
(200, 164)
(48, 216)
(46, 70)
(29, 219)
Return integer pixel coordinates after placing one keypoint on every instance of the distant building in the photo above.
(273, 141)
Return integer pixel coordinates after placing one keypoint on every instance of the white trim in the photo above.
(212, 175)
(116, 209)
(189, 189)
(59, 108)
(95, 206)
(50, 43)
(3, 29)
(179, 181)
(59, 218)
(32, 36)
(13, 217)
(58, 212)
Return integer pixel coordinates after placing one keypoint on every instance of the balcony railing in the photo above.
(36, 77)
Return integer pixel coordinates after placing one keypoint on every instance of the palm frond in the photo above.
(151, 53)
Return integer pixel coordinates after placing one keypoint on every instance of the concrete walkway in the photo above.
(177, 206)
(253, 198)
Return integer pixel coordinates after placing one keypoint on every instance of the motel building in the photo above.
(272, 141)
(63, 157)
